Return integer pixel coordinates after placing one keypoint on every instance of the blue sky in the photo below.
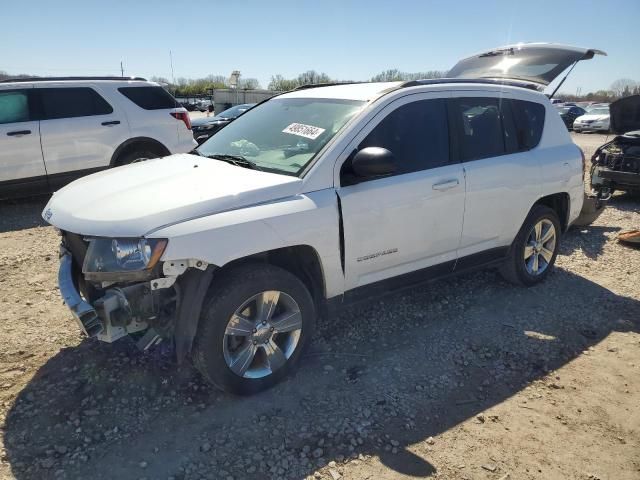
(346, 39)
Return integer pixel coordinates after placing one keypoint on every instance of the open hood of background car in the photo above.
(625, 114)
(536, 63)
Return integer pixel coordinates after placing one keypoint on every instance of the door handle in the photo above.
(112, 122)
(446, 185)
(19, 133)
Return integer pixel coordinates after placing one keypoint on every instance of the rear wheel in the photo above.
(534, 250)
(253, 328)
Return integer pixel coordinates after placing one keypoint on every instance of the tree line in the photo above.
(186, 87)
(623, 87)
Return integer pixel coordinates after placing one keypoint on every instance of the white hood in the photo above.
(131, 201)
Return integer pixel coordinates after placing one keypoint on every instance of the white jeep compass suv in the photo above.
(319, 197)
(55, 130)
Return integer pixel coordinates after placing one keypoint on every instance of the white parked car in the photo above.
(595, 120)
(55, 130)
(317, 198)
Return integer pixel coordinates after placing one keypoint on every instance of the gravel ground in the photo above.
(467, 378)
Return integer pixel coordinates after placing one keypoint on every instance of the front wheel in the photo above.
(534, 250)
(253, 328)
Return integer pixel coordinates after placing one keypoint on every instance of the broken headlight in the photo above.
(115, 259)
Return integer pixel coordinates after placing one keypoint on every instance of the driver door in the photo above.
(412, 220)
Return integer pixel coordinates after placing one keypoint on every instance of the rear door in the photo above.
(80, 130)
(496, 139)
(536, 63)
(20, 153)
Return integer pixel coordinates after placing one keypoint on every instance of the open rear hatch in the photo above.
(535, 64)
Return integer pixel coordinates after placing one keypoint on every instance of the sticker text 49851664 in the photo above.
(302, 130)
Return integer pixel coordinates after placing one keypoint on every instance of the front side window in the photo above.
(72, 102)
(14, 106)
(282, 135)
(416, 133)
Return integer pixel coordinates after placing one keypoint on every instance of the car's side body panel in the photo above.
(20, 152)
(499, 193)
(310, 219)
(59, 150)
(81, 143)
(561, 166)
(396, 225)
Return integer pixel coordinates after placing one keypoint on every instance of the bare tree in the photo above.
(311, 77)
(395, 75)
(249, 84)
(623, 87)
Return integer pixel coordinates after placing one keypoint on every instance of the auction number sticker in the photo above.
(302, 130)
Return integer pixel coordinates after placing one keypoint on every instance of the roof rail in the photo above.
(486, 81)
(328, 84)
(50, 79)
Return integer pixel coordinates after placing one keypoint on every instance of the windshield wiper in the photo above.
(238, 160)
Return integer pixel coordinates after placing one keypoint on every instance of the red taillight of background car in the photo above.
(184, 116)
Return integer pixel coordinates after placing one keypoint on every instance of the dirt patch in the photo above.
(468, 378)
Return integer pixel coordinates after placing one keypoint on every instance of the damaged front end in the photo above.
(118, 287)
(616, 164)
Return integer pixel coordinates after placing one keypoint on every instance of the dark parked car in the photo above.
(203, 128)
(616, 164)
(569, 114)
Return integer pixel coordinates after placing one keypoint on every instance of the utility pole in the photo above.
(121, 69)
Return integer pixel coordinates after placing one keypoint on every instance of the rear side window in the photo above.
(14, 106)
(416, 133)
(529, 122)
(149, 98)
(480, 129)
(72, 102)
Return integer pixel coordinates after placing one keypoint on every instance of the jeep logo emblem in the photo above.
(48, 214)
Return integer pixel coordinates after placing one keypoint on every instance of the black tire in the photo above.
(135, 156)
(514, 270)
(225, 296)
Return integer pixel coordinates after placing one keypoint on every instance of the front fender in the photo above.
(305, 219)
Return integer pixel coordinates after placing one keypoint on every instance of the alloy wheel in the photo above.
(262, 334)
(540, 247)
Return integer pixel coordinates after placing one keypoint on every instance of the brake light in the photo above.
(184, 116)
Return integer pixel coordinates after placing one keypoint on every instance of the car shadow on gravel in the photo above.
(22, 214)
(380, 380)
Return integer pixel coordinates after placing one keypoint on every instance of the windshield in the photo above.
(284, 134)
(599, 111)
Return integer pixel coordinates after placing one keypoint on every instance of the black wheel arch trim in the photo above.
(194, 285)
(124, 146)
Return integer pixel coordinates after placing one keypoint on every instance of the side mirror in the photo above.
(373, 162)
